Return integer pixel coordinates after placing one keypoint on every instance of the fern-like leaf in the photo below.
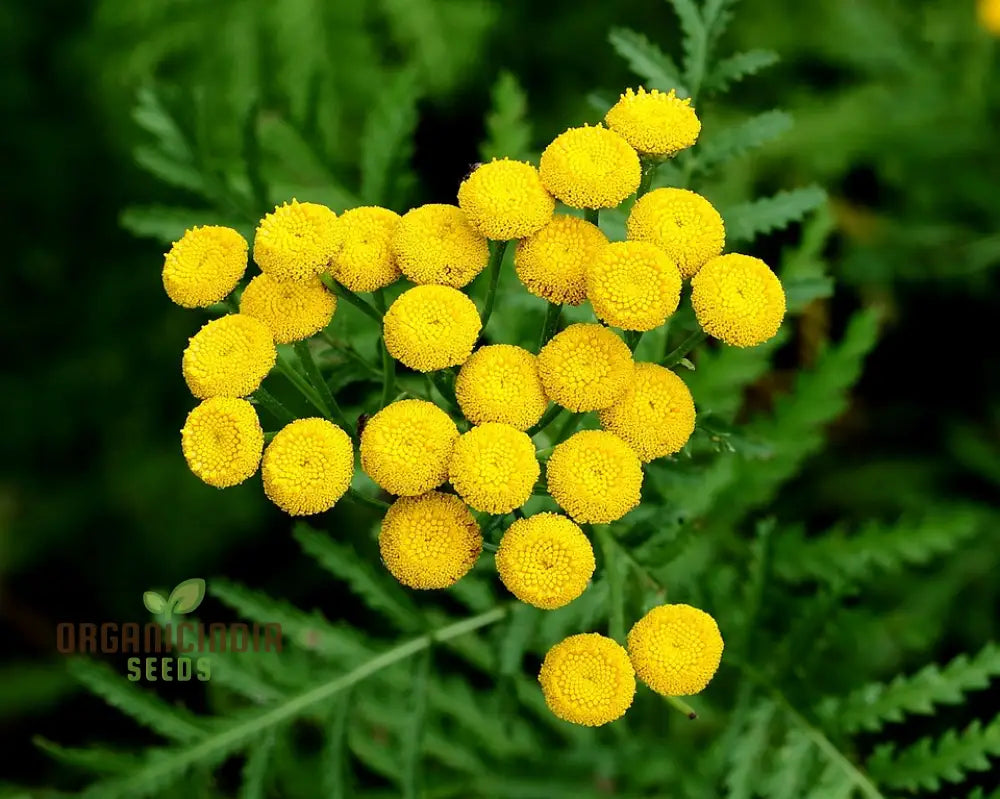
(388, 140)
(793, 763)
(648, 61)
(166, 224)
(747, 221)
(508, 131)
(734, 141)
(255, 767)
(695, 42)
(94, 759)
(749, 747)
(739, 66)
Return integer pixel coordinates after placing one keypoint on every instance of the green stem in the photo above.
(551, 323)
(592, 215)
(496, 260)
(301, 384)
(413, 740)
(388, 362)
(350, 353)
(569, 427)
(648, 172)
(632, 338)
(547, 418)
(345, 293)
(446, 390)
(682, 706)
(680, 352)
(325, 395)
(274, 407)
(616, 600)
(364, 499)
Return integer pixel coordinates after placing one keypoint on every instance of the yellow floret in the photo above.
(431, 327)
(594, 476)
(675, 649)
(228, 357)
(633, 285)
(437, 244)
(738, 300)
(545, 560)
(552, 262)
(586, 367)
(590, 167)
(222, 441)
(989, 16)
(296, 241)
(493, 468)
(406, 446)
(363, 259)
(430, 541)
(292, 311)
(681, 223)
(654, 123)
(500, 383)
(308, 466)
(587, 679)
(505, 199)
(655, 416)
(204, 265)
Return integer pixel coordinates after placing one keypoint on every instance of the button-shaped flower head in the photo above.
(738, 300)
(296, 241)
(655, 416)
(590, 167)
(222, 441)
(431, 327)
(675, 649)
(654, 123)
(406, 447)
(505, 199)
(308, 466)
(204, 266)
(587, 679)
(500, 383)
(493, 468)
(594, 476)
(586, 367)
(552, 263)
(430, 541)
(633, 285)
(545, 560)
(363, 259)
(681, 223)
(292, 311)
(436, 244)
(228, 357)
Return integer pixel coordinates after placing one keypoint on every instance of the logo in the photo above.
(185, 598)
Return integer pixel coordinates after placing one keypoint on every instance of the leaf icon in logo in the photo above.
(154, 602)
(187, 596)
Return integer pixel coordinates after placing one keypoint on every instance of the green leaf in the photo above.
(388, 140)
(793, 763)
(767, 214)
(336, 758)
(739, 66)
(167, 224)
(413, 740)
(508, 131)
(648, 61)
(94, 759)
(187, 596)
(749, 748)
(255, 767)
(695, 42)
(154, 602)
(733, 141)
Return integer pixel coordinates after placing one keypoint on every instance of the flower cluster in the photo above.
(459, 471)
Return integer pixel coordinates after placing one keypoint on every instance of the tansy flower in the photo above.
(590, 167)
(292, 311)
(437, 244)
(738, 299)
(655, 415)
(363, 259)
(222, 441)
(431, 327)
(552, 262)
(430, 541)
(654, 123)
(587, 679)
(545, 560)
(675, 649)
(594, 476)
(228, 357)
(308, 466)
(500, 383)
(989, 16)
(633, 285)
(204, 265)
(681, 223)
(505, 199)
(296, 241)
(493, 468)
(406, 446)
(586, 367)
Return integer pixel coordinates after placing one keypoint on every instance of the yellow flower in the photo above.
(590, 167)
(228, 357)
(296, 241)
(363, 259)
(493, 468)
(308, 466)
(406, 446)
(505, 200)
(587, 679)
(500, 383)
(437, 244)
(655, 415)
(594, 476)
(989, 16)
(633, 285)
(654, 123)
(552, 262)
(586, 367)
(222, 441)
(430, 541)
(545, 560)
(675, 649)
(431, 327)
(681, 223)
(204, 266)
(738, 299)
(292, 311)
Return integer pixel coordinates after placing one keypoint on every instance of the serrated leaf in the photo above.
(388, 139)
(768, 214)
(648, 61)
(508, 131)
(739, 66)
(255, 767)
(94, 759)
(748, 749)
(736, 140)
(793, 763)
(695, 42)
(167, 224)
(187, 596)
